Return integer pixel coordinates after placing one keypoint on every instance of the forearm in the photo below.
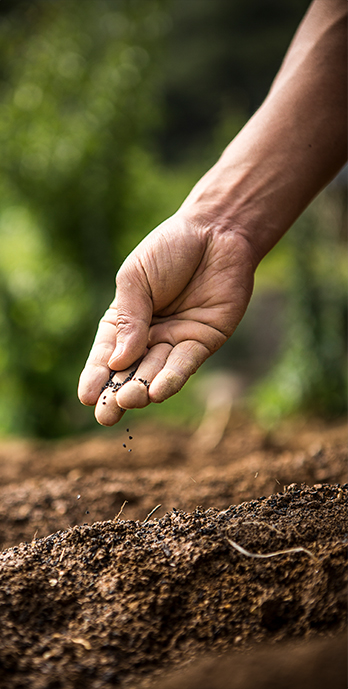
(293, 145)
(183, 290)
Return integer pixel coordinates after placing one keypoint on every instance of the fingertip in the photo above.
(90, 383)
(133, 395)
(167, 383)
(128, 359)
(125, 362)
(116, 365)
(115, 358)
(107, 412)
(132, 347)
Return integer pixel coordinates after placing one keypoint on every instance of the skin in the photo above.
(183, 290)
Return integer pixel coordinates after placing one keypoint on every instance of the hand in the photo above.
(180, 294)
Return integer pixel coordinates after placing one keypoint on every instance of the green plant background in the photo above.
(110, 110)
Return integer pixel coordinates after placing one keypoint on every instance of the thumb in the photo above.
(133, 306)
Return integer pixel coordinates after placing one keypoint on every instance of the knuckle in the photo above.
(123, 321)
(110, 316)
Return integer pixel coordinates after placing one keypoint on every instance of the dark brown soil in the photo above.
(104, 603)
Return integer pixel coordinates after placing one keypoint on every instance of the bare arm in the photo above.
(293, 145)
(182, 292)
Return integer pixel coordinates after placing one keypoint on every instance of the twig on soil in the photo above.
(277, 552)
(151, 513)
(120, 512)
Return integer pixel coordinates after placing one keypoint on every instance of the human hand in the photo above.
(180, 294)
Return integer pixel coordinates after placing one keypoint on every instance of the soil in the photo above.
(97, 598)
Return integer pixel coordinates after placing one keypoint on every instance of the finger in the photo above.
(179, 330)
(96, 371)
(107, 411)
(134, 394)
(182, 362)
(133, 306)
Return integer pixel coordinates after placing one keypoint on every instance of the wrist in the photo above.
(236, 195)
(293, 145)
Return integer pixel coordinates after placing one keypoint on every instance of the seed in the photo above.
(130, 437)
(144, 382)
(87, 512)
(129, 450)
(78, 497)
(127, 430)
(124, 445)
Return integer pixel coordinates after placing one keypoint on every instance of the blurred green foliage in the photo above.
(221, 59)
(109, 112)
(309, 375)
(76, 91)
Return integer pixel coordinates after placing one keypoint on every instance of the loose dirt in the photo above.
(87, 600)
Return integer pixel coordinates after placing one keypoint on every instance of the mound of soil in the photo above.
(99, 601)
(40, 482)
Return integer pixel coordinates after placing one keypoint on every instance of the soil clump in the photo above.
(95, 601)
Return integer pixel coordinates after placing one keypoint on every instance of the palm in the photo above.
(206, 302)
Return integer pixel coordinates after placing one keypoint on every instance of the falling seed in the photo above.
(87, 512)
(130, 437)
(129, 450)
(78, 497)
(127, 430)
(124, 445)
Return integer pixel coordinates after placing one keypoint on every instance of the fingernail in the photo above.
(116, 353)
